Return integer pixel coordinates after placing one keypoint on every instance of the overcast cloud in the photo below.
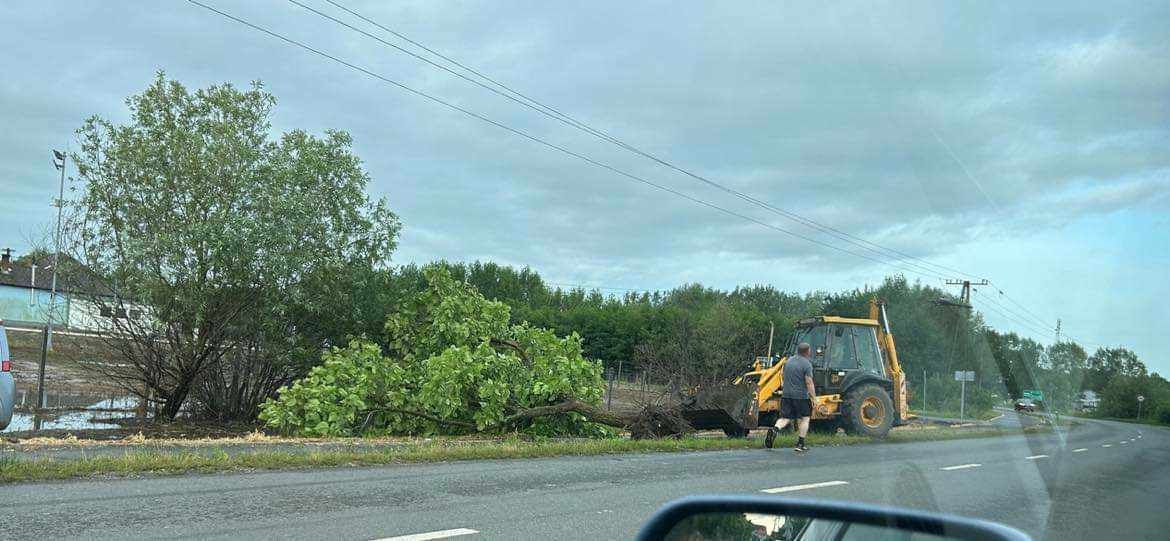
(1024, 143)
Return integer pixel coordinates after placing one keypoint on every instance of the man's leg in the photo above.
(771, 437)
(802, 431)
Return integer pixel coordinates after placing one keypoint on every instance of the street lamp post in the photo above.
(47, 341)
(1140, 400)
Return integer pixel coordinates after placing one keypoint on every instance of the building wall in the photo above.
(31, 305)
(87, 315)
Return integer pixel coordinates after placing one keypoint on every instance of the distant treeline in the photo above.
(700, 330)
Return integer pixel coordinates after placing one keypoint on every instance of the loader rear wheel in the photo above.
(868, 411)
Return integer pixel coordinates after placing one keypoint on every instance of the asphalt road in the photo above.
(1098, 480)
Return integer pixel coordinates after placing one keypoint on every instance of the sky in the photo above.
(1023, 143)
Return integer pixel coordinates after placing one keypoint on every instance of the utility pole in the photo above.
(47, 342)
(965, 295)
(962, 399)
(1057, 331)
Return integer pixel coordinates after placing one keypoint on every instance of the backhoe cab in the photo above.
(859, 381)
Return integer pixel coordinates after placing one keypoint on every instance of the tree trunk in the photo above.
(174, 401)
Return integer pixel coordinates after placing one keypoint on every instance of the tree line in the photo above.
(253, 257)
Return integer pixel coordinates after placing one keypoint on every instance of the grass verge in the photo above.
(1146, 422)
(981, 415)
(155, 462)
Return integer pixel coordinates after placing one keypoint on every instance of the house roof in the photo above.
(21, 275)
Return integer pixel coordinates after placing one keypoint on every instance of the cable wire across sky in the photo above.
(553, 146)
(873, 252)
(525, 100)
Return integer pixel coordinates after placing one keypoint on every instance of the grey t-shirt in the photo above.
(795, 370)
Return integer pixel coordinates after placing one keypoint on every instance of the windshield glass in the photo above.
(816, 337)
(523, 270)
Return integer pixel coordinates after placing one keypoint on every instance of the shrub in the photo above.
(454, 365)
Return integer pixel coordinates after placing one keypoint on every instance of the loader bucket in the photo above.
(711, 419)
(730, 408)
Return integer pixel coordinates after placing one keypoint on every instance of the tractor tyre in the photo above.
(868, 411)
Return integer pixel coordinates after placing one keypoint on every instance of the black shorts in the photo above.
(795, 408)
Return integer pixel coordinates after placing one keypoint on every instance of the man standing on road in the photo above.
(796, 396)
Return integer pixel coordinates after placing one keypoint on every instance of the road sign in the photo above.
(1034, 394)
(1141, 398)
(961, 375)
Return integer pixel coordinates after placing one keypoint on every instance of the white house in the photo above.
(1088, 401)
(26, 297)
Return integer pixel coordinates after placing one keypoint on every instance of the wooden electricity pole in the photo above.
(965, 295)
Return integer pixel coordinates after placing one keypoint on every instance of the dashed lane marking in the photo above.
(1081, 450)
(440, 534)
(960, 467)
(804, 487)
(1034, 457)
(1106, 445)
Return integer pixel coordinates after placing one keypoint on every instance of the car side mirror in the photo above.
(729, 517)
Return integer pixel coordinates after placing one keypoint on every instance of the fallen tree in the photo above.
(452, 364)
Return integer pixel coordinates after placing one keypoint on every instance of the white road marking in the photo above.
(996, 418)
(960, 467)
(1034, 457)
(1106, 445)
(1081, 450)
(441, 534)
(804, 487)
(1123, 442)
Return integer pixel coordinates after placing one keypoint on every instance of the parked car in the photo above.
(7, 384)
(1025, 404)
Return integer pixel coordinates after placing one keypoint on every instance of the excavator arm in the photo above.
(877, 311)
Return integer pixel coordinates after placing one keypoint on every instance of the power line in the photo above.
(1032, 327)
(1041, 320)
(909, 263)
(1039, 330)
(1021, 317)
(588, 287)
(541, 141)
(1029, 327)
(554, 113)
(1021, 306)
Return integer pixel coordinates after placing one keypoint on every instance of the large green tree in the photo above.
(230, 241)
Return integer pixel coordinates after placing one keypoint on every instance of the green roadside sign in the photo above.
(1034, 394)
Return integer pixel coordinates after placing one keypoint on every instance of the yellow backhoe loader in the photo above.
(859, 381)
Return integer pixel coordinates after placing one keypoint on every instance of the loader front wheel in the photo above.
(868, 411)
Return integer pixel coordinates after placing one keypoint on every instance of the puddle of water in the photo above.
(73, 419)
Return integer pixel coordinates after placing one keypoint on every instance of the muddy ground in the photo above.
(69, 367)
